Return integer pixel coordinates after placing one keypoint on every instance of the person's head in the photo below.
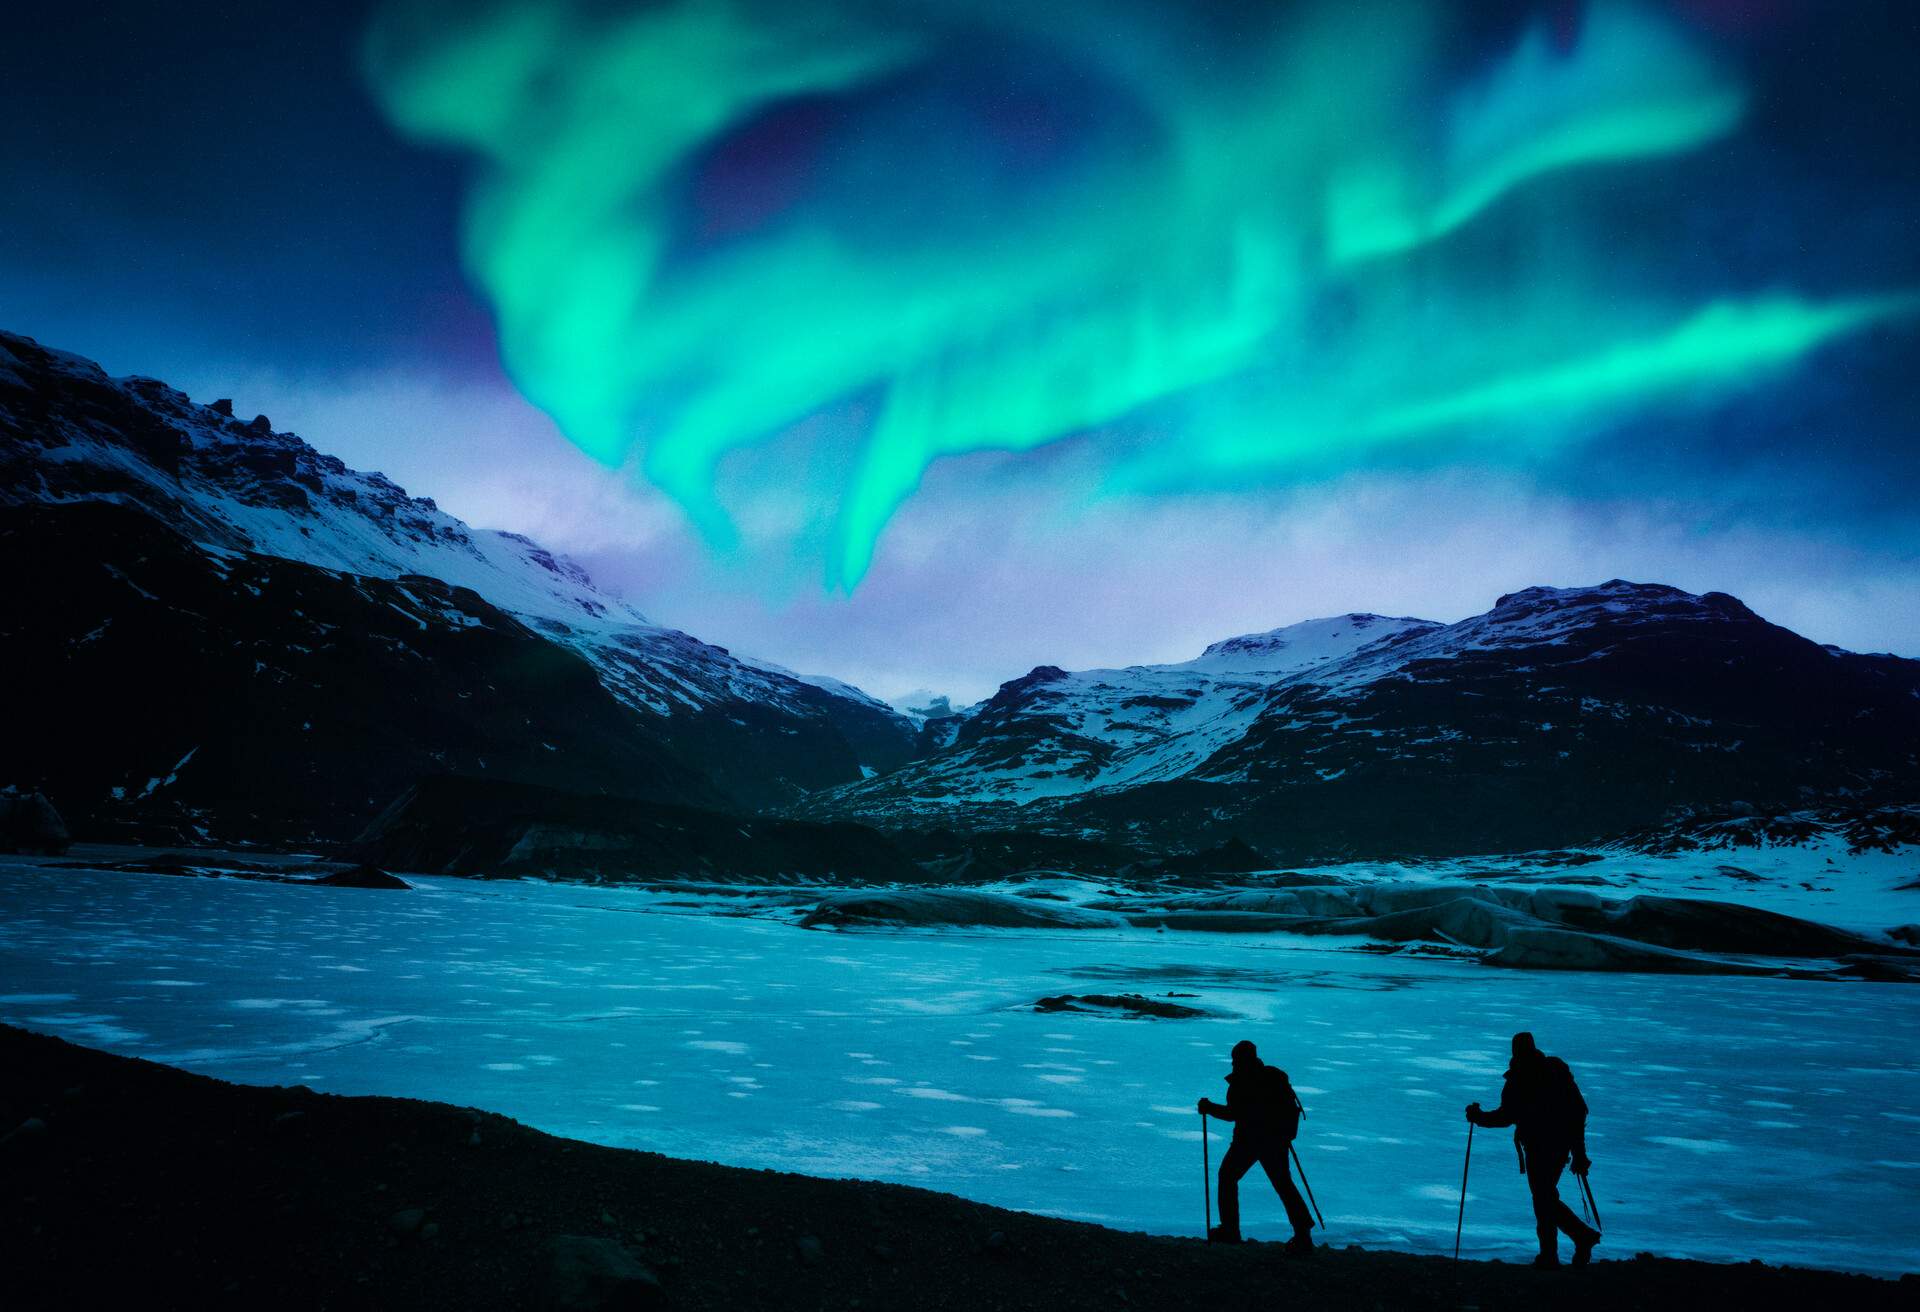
(1523, 1048)
(1244, 1055)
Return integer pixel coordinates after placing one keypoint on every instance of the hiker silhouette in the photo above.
(1265, 1116)
(1542, 1102)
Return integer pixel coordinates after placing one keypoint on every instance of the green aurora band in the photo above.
(1169, 267)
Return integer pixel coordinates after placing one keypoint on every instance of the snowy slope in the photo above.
(1053, 733)
(76, 435)
(243, 487)
(1297, 649)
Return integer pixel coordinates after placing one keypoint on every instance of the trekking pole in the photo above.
(1309, 1188)
(1460, 1222)
(1592, 1202)
(1206, 1173)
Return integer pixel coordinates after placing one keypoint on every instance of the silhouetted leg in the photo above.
(1274, 1160)
(1543, 1181)
(1569, 1221)
(1238, 1161)
(1550, 1214)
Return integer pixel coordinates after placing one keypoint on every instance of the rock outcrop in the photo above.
(29, 823)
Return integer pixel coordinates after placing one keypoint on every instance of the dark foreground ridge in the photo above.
(118, 1175)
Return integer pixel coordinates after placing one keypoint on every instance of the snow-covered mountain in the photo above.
(212, 619)
(1560, 715)
(238, 490)
(1051, 733)
(1297, 648)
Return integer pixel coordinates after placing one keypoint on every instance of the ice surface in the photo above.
(1733, 1118)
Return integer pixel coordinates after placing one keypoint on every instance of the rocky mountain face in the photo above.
(213, 626)
(1560, 716)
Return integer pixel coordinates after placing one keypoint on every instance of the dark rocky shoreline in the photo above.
(125, 1180)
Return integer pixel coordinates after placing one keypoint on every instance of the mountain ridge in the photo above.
(1560, 715)
(760, 735)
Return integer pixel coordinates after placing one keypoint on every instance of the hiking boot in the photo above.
(1301, 1245)
(1583, 1248)
(1547, 1259)
(1221, 1235)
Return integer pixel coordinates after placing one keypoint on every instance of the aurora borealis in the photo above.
(922, 342)
(700, 224)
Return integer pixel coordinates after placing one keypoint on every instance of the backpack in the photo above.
(1282, 1104)
(1561, 1104)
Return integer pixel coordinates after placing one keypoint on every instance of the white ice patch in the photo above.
(1705, 1147)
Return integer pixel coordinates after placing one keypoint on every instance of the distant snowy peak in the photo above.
(923, 704)
(1349, 648)
(1531, 616)
(1054, 732)
(1301, 646)
(1588, 621)
(1547, 609)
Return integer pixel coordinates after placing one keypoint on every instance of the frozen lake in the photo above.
(1732, 1118)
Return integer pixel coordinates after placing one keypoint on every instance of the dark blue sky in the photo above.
(210, 194)
(190, 180)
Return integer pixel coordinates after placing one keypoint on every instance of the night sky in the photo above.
(921, 342)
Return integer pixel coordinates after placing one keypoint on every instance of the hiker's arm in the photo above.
(1496, 1119)
(1219, 1111)
(1503, 1115)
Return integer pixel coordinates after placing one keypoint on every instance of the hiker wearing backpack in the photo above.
(1266, 1116)
(1542, 1103)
